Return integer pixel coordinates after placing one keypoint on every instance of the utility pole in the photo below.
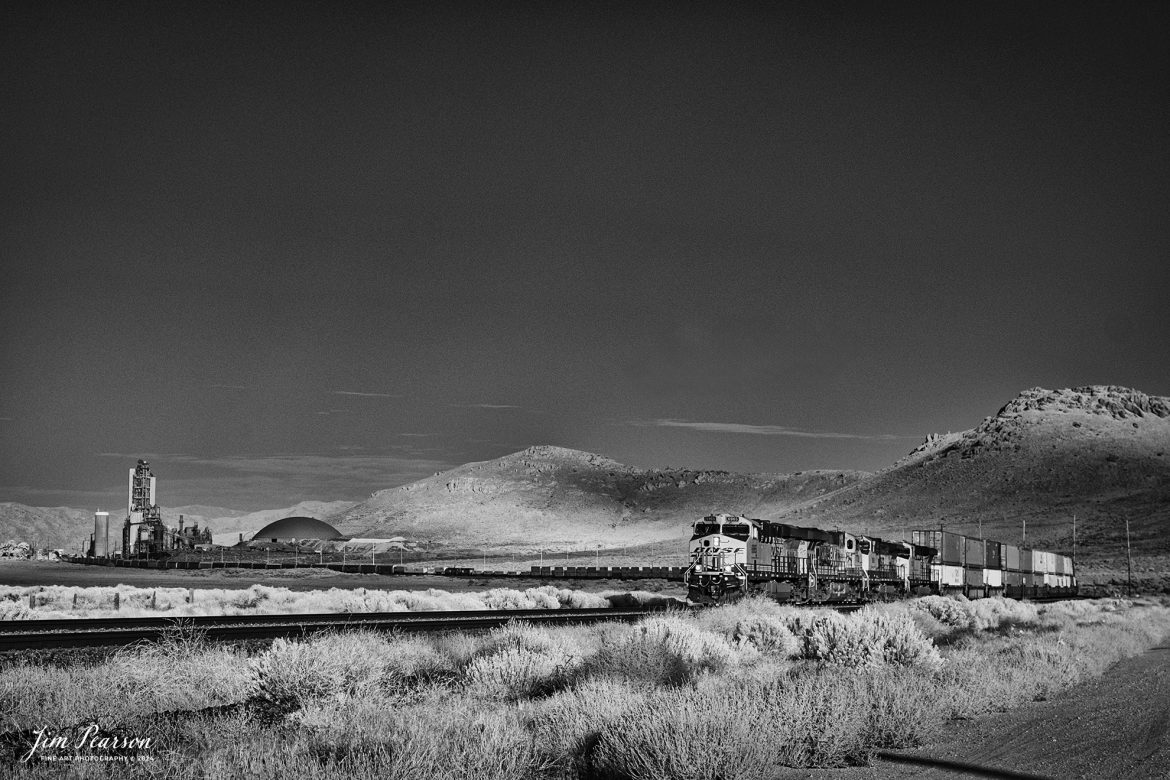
(1025, 537)
(1074, 555)
(1128, 559)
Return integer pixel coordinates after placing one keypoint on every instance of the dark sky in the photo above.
(299, 250)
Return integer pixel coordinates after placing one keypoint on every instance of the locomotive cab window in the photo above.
(705, 529)
(739, 531)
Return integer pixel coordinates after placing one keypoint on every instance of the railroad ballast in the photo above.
(732, 555)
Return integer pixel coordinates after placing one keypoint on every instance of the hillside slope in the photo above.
(548, 497)
(1100, 452)
(59, 527)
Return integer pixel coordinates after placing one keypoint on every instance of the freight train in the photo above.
(732, 556)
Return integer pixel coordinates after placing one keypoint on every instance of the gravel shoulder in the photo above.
(1116, 726)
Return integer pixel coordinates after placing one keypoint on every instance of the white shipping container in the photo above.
(993, 578)
(1043, 562)
(947, 576)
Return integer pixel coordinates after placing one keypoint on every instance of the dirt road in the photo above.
(1116, 727)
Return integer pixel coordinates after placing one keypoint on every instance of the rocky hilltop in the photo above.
(550, 497)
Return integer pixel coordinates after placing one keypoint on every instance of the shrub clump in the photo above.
(867, 638)
(758, 623)
(959, 614)
(516, 673)
(518, 662)
(291, 674)
(669, 651)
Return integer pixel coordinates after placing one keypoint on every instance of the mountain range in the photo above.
(1099, 453)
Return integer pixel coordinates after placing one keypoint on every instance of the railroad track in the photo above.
(47, 634)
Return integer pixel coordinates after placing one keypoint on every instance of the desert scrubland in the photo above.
(733, 692)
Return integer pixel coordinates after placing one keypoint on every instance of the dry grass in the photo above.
(678, 696)
(178, 673)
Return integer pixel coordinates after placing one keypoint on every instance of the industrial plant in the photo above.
(144, 535)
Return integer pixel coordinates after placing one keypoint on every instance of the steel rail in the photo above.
(45, 634)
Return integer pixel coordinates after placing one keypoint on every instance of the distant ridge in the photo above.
(548, 496)
(1101, 452)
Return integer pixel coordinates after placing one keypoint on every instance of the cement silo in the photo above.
(101, 534)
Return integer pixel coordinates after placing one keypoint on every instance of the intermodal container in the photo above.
(1011, 558)
(973, 577)
(1026, 558)
(1013, 579)
(947, 576)
(1060, 562)
(975, 553)
(993, 555)
(949, 545)
(1042, 562)
(993, 578)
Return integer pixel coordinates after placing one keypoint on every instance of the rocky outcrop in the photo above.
(1120, 403)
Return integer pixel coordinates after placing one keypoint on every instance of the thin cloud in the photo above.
(365, 395)
(761, 430)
